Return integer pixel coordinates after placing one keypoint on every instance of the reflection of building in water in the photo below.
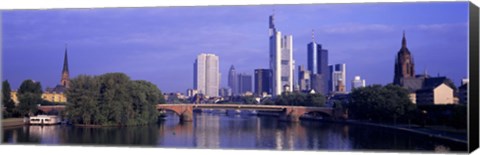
(46, 134)
(206, 131)
(278, 140)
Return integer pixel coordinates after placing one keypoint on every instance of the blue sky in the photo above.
(160, 44)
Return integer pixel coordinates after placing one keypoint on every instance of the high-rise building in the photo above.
(338, 76)
(357, 82)
(317, 63)
(281, 59)
(244, 83)
(303, 79)
(262, 81)
(232, 80)
(207, 75)
(404, 65)
(318, 83)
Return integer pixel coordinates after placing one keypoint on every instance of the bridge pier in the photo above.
(186, 117)
(291, 114)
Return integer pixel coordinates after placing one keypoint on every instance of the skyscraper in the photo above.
(262, 81)
(303, 78)
(357, 82)
(281, 59)
(404, 65)
(232, 80)
(207, 75)
(338, 76)
(317, 63)
(244, 83)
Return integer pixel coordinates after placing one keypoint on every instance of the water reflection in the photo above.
(234, 132)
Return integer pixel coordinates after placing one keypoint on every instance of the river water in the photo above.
(230, 131)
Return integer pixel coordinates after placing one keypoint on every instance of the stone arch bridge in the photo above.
(185, 111)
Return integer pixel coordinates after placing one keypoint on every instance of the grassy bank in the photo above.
(11, 122)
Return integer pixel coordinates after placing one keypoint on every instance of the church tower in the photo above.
(404, 65)
(65, 81)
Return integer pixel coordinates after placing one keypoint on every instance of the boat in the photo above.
(44, 120)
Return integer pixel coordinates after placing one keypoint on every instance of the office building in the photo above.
(317, 63)
(244, 83)
(358, 82)
(303, 79)
(207, 75)
(263, 85)
(338, 76)
(281, 59)
(232, 80)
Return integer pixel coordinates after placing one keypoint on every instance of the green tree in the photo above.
(112, 99)
(29, 96)
(7, 100)
(315, 100)
(380, 103)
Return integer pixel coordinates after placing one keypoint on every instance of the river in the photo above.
(230, 131)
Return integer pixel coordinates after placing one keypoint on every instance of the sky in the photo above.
(160, 44)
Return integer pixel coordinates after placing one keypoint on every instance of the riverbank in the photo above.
(12, 122)
(431, 131)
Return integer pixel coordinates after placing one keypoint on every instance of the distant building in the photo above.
(13, 96)
(463, 92)
(357, 82)
(207, 75)
(318, 84)
(303, 78)
(317, 63)
(338, 76)
(225, 92)
(281, 59)
(57, 94)
(435, 91)
(244, 83)
(232, 80)
(191, 92)
(262, 81)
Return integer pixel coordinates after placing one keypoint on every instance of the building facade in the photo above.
(263, 85)
(244, 83)
(338, 77)
(358, 82)
(206, 75)
(303, 79)
(232, 80)
(404, 64)
(281, 59)
(317, 63)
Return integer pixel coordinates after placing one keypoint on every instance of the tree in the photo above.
(315, 100)
(380, 103)
(7, 100)
(112, 99)
(29, 96)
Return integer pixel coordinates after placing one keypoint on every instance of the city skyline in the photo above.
(163, 51)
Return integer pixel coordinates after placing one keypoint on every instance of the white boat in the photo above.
(44, 120)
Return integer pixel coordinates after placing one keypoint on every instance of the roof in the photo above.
(413, 84)
(56, 89)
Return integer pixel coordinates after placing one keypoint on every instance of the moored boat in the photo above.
(44, 120)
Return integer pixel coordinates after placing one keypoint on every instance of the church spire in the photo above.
(65, 81)
(65, 61)
(404, 41)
